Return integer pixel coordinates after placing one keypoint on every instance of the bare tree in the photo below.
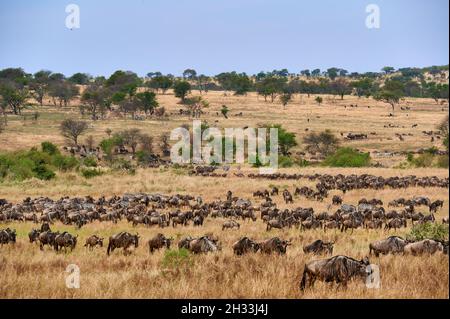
(72, 129)
(146, 143)
(90, 142)
(131, 138)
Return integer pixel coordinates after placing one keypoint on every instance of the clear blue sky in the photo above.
(212, 36)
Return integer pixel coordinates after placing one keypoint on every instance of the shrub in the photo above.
(442, 161)
(43, 172)
(49, 148)
(428, 231)
(324, 143)
(90, 161)
(122, 164)
(285, 161)
(347, 157)
(64, 163)
(90, 172)
(176, 258)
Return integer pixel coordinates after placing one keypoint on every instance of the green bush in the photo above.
(90, 161)
(347, 157)
(90, 172)
(442, 161)
(285, 161)
(23, 165)
(43, 172)
(65, 163)
(428, 231)
(49, 148)
(176, 258)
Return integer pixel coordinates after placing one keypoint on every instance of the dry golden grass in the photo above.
(27, 272)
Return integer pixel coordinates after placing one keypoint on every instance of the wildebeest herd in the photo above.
(155, 210)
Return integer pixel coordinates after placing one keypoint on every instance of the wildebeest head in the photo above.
(135, 240)
(168, 242)
(365, 269)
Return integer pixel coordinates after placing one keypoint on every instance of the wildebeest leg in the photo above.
(304, 280)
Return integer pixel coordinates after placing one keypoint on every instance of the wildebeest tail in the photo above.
(109, 247)
(303, 281)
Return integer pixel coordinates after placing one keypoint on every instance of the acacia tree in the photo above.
(285, 98)
(72, 129)
(391, 93)
(161, 82)
(13, 95)
(181, 89)
(63, 91)
(39, 85)
(324, 143)
(340, 87)
(131, 138)
(146, 101)
(96, 99)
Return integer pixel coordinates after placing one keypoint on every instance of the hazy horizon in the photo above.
(212, 37)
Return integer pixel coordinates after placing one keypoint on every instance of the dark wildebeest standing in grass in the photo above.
(7, 236)
(426, 246)
(245, 245)
(319, 247)
(33, 235)
(392, 245)
(65, 240)
(204, 244)
(122, 240)
(47, 238)
(157, 242)
(274, 244)
(435, 205)
(93, 241)
(338, 269)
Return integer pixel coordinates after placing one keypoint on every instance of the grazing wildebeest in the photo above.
(435, 205)
(180, 219)
(7, 236)
(287, 197)
(274, 191)
(230, 224)
(336, 200)
(319, 247)
(275, 223)
(245, 245)
(93, 241)
(392, 244)
(203, 244)
(47, 238)
(198, 220)
(374, 224)
(33, 235)
(426, 246)
(65, 240)
(45, 227)
(159, 241)
(338, 269)
(274, 244)
(332, 224)
(122, 240)
(395, 223)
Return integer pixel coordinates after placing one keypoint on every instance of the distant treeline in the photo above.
(124, 88)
